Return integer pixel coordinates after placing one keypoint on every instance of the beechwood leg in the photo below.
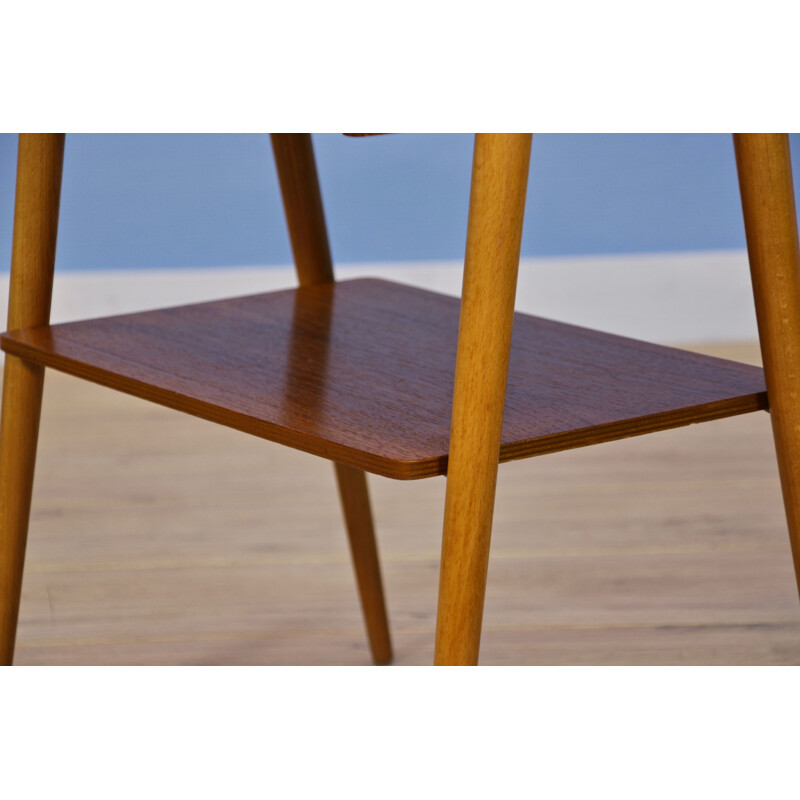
(497, 205)
(765, 181)
(32, 260)
(305, 218)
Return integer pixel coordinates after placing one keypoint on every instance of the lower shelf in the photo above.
(361, 372)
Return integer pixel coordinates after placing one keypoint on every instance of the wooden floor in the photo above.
(157, 538)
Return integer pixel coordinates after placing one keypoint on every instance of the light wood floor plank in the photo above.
(158, 538)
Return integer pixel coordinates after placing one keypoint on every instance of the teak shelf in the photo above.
(385, 378)
(361, 372)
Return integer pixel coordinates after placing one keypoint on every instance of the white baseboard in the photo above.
(670, 297)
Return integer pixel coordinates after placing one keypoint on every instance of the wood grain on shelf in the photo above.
(375, 390)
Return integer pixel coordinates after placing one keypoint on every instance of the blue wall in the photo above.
(207, 200)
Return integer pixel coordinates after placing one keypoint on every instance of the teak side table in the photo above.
(379, 377)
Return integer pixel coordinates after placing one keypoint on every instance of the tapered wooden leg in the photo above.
(765, 181)
(32, 260)
(305, 218)
(363, 547)
(302, 203)
(497, 205)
